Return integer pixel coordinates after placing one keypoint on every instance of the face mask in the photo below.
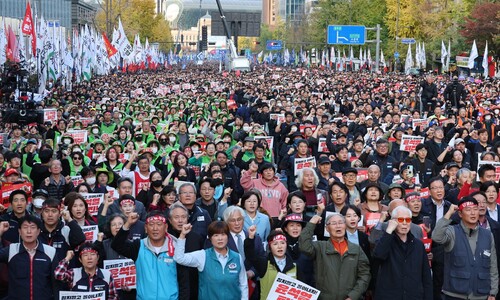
(195, 149)
(246, 128)
(154, 149)
(293, 129)
(217, 181)
(138, 138)
(156, 183)
(38, 202)
(90, 180)
(95, 131)
(77, 150)
(163, 142)
(487, 118)
(172, 139)
(67, 141)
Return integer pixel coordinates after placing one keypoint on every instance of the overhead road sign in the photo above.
(346, 35)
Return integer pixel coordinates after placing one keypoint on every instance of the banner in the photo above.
(79, 136)
(8, 188)
(371, 220)
(302, 128)
(93, 202)
(278, 117)
(269, 140)
(76, 180)
(409, 142)
(288, 288)
(422, 123)
(122, 271)
(300, 163)
(101, 295)
(50, 114)
(3, 137)
(90, 233)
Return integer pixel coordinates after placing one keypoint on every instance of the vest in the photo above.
(466, 272)
(82, 282)
(140, 181)
(156, 274)
(217, 282)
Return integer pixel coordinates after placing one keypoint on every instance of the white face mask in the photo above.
(77, 150)
(95, 131)
(38, 202)
(487, 118)
(172, 139)
(67, 141)
(154, 149)
(246, 128)
(90, 180)
(195, 149)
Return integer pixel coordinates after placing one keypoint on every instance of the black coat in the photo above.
(404, 271)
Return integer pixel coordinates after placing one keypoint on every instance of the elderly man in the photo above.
(234, 217)
(381, 158)
(374, 177)
(470, 268)
(198, 217)
(402, 256)
(307, 182)
(334, 257)
(56, 184)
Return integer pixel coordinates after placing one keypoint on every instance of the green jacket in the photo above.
(336, 277)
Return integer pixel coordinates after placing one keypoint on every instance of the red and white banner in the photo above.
(409, 142)
(301, 163)
(288, 288)
(122, 271)
(90, 233)
(269, 140)
(93, 202)
(79, 136)
(8, 188)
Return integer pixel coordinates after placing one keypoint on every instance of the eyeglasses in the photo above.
(187, 193)
(437, 188)
(404, 220)
(349, 175)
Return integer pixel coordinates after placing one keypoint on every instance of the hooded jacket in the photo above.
(273, 195)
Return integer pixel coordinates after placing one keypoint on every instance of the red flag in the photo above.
(12, 47)
(28, 28)
(109, 48)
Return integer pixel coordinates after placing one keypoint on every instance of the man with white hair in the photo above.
(307, 182)
(402, 256)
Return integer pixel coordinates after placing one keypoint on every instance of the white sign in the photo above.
(288, 288)
(90, 233)
(409, 142)
(301, 163)
(122, 271)
(64, 295)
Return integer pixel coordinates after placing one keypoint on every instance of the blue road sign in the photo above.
(346, 34)
(408, 41)
(396, 54)
(274, 45)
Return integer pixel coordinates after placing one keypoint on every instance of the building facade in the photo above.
(56, 10)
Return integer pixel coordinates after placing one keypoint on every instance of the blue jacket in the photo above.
(30, 279)
(157, 276)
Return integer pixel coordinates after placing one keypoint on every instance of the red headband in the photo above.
(156, 218)
(412, 197)
(466, 204)
(279, 237)
(88, 250)
(127, 201)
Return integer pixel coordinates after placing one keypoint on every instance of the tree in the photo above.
(138, 17)
(483, 25)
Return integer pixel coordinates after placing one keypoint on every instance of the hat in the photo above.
(458, 141)
(249, 139)
(99, 142)
(217, 141)
(370, 185)
(349, 170)
(452, 165)
(341, 135)
(110, 174)
(396, 186)
(10, 171)
(324, 160)
(293, 218)
(369, 118)
(31, 141)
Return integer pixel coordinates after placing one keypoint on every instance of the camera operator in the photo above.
(429, 93)
(455, 94)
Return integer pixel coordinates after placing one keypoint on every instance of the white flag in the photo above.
(485, 61)
(409, 60)
(423, 58)
(473, 55)
(382, 59)
(448, 57)
(444, 54)
(3, 43)
(417, 56)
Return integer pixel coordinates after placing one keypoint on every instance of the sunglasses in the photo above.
(403, 220)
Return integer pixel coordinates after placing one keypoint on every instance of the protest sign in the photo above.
(278, 117)
(50, 115)
(3, 137)
(79, 136)
(371, 220)
(269, 140)
(93, 202)
(8, 188)
(66, 295)
(90, 232)
(409, 142)
(302, 128)
(76, 180)
(422, 123)
(122, 271)
(288, 288)
(306, 162)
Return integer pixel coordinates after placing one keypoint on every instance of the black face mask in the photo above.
(156, 183)
(138, 138)
(217, 182)
(163, 142)
(182, 178)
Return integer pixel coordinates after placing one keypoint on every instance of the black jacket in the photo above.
(404, 271)
(429, 91)
(63, 238)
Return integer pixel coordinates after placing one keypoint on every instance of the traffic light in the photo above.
(256, 42)
(204, 38)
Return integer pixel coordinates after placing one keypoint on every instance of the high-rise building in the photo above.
(270, 12)
(82, 13)
(292, 11)
(55, 10)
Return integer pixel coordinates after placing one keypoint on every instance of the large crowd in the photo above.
(361, 185)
